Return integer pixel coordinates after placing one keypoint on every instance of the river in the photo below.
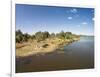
(77, 55)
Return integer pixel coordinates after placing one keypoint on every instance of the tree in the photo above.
(61, 35)
(26, 37)
(19, 36)
(46, 35)
(18, 32)
(68, 35)
(42, 35)
(52, 35)
(39, 36)
(32, 36)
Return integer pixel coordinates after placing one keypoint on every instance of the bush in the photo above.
(19, 36)
(39, 36)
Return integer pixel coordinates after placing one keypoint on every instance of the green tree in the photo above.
(68, 35)
(19, 36)
(39, 36)
(32, 36)
(46, 35)
(26, 37)
(61, 35)
(52, 35)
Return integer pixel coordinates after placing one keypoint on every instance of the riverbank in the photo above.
(34, 47)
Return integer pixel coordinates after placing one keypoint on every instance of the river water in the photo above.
(77, 55)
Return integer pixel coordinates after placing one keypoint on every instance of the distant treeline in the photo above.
(40, 36)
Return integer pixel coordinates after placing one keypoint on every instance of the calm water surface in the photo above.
(77, 55)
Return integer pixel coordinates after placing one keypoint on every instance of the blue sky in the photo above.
(33, 18)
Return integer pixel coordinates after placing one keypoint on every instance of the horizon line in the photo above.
(54, 32)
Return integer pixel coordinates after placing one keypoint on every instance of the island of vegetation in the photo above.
(42, 42)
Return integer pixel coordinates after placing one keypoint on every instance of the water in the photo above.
(77, 55)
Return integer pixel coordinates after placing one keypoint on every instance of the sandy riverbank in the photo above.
(42, 47)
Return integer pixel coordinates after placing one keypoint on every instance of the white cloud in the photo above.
(69, 18)
(73, 10)
(84, 23)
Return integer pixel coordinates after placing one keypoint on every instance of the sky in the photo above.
(33, 18)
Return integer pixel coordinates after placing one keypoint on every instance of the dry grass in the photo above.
(34, 47)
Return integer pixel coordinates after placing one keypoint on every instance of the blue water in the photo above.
(77, 55)
(84, 46)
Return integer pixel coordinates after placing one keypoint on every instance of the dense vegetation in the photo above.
(40, 36)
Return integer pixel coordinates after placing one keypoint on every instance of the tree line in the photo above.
(40, 36)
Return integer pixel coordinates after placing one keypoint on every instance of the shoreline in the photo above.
(43, 47)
